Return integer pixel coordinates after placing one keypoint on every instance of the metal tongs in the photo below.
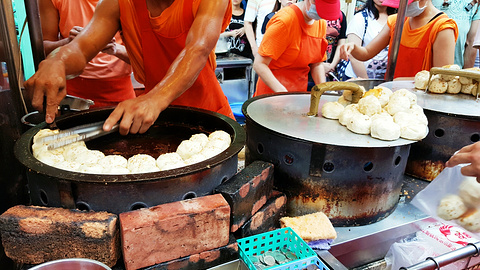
(79, 133)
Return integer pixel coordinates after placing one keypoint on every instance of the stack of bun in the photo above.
(381, 113)
(464, 206)
(449, 84)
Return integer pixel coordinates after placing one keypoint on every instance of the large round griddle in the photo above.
(287, 115)
(459, 104)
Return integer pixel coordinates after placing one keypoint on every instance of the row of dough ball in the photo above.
(463, 207)
(446, 83)
(78, 158)
(380, 113)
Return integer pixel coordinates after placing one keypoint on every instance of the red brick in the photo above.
(170, 231)
(267, 218)
(247, 191)
(33, 235)
(204, 260)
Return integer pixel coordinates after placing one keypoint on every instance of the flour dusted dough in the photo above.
(385, 129)
(369, 105)
(170, 161)
(91, 168)
(347, 113)
(201, 138)
(49, 158)
(451, 207)
(469, 191)
(405, 93)
(421, 79)
(89, 157)
(414, 131)
(332, 110)
(188, 148)
(68, 165)
(111, 161)
(142, 163)
(360, 123)
(397, 104)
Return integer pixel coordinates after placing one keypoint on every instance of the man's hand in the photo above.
(469, 154)
(137, 115)
(49, 82)
(111, 47)
(74, 32)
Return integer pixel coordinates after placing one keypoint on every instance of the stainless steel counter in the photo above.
(234, 73)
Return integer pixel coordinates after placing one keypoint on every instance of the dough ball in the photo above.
(188, 148)
(369, 105)
(454, 86)
(219, 144)
(469, 191)
(359, 123)
(142, 163)
(49, 158)
(468, 88)
(382, 93)
(113, 161)
(88, 157)
(170, 161)
(413, 131)
(417, 111)
(406, 93)
(116, 170)
(421, 79)
(470, 220)
(397, 104)
(68, 165)
(44, 133)
(197, 158)
(450, 77)
(91, 168)
(220, 135)
(409, 117)
(210, 151)
(72, 152)
(347, 113)
(201, 138)
(383, 114)
(385, 129)
(438, 85)
(343, 101)
(451, 207)
(332, 110)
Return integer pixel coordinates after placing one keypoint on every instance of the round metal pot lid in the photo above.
(460, 104)
(286, 113)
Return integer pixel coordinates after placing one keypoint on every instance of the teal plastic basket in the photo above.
(279, 239)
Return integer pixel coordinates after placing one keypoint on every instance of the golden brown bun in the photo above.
(310, 227)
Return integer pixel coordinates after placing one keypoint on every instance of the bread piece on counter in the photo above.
(310, 227)
(34, 234)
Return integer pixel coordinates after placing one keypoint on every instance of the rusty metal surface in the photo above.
(51, 186)
(352, 185)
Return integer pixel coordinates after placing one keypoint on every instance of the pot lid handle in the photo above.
(319, 89)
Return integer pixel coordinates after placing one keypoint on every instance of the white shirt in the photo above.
(357, 27)
(258, 9)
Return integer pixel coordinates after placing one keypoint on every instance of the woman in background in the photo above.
(235, 32)
(278, 5)
(364, 27)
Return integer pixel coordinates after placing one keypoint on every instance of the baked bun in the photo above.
(468, 88)
(369, 105)
(170, 161)
(465, 80)
(385, 129)
(406, 93)
(421, 79)
(397, 104)
(438, 85)
(332, 110)
(451, 207)
(469, 191)
(470, 220)
(454, 86)
(413, 131)
(142, 163)
(359, 123)
(347, 114)
(382, 93)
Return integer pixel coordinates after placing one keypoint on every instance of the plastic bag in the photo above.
(447, 182)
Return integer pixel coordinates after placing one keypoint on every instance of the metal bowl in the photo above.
(72, 264)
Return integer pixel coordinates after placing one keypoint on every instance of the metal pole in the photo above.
(35, 30)
(472, 249)
(397, 35)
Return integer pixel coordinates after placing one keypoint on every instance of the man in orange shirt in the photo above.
(282, 64)
(428, 39)
(106, 78)
(170, 44)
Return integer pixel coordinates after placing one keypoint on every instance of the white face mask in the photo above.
(312, 13)
(414, 9)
